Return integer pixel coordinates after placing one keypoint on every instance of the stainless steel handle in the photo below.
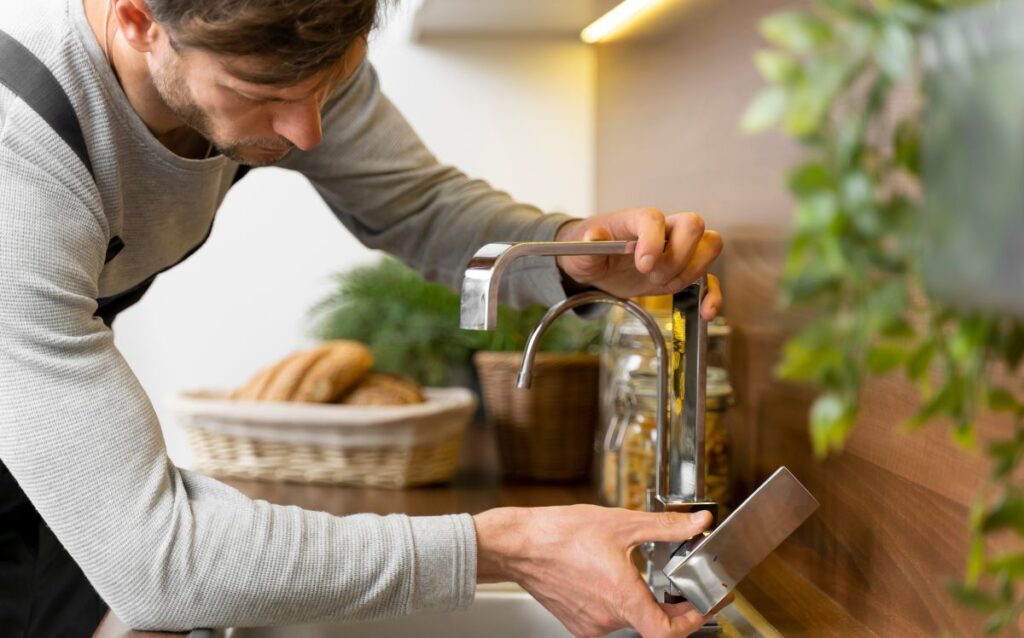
(479, 305)
(706, 568)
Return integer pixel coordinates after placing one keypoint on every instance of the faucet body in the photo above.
(679, 477)
(704, 569)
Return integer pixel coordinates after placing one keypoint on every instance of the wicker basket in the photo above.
(546, 433)
(385, 446)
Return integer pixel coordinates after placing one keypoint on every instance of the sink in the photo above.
(500, 611)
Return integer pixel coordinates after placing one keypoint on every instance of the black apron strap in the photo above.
(24, 74)
(43, 592)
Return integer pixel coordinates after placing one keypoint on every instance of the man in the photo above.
(172, 97)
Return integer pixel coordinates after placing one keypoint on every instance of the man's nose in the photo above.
(300, 124)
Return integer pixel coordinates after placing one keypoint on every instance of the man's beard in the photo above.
(170, 84)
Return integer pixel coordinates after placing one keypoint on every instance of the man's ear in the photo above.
(137, 25)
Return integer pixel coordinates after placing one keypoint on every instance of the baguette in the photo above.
(385, 389)
(342, 365)
(289, 374)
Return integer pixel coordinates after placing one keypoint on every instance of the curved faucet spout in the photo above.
(663, 417)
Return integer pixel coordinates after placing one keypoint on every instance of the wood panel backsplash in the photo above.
(892, 527)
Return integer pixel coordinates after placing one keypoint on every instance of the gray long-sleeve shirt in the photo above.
(167, 548)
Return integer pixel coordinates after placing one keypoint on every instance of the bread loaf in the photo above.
(337, 371)
(385, 389)
(319, 375)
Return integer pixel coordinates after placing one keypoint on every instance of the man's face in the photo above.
(254, 124)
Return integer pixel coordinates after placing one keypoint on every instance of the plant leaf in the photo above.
(946, 401)
(1001, 400)
(803, 360)
(1006, 513)
(907, 144)
(1014, 349)
(973, 597)
(777, 67)
(920, 361)
(765, 111)
(894, 50)
(831, 420)
(1010, 564)
(810, 178)
(883, 358)
(795, 30)
(1006, 454)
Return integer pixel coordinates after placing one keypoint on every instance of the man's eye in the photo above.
(250, 99)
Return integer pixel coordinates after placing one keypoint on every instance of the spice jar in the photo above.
(626, 348)
(611, 446)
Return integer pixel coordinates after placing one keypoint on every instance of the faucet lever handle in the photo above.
(479, 305)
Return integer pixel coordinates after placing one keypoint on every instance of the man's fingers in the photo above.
(644, 614)
(648, 225)
(684, 618)
(708, 249)
(712, 300)
(685, 231)
(590, 266)
(667, 527)
(597, 233)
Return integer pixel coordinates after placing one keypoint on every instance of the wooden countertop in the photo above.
(785, 603)
(477, 487)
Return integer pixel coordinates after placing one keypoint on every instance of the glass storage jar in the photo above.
(611, 447)
(639, 440)
(717, 448)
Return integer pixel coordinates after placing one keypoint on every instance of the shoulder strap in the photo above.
(24, 74)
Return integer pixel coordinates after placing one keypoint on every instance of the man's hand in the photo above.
(575, 561)
(671, 253)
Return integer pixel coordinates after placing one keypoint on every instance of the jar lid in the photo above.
(719, 393)
(719, 327)
(644, 383)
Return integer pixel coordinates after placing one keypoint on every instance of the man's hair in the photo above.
(291, 39)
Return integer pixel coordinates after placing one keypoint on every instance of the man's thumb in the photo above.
(587, 267)
(671, 527)
(597, 233)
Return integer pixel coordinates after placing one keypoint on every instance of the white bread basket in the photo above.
(387, 446)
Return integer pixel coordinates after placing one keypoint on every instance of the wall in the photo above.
(892, 530)
(519, 113)
(667, 122)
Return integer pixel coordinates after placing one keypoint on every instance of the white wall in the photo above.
(519, 113)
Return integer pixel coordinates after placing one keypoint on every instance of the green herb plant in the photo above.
(412, 325)
(832, 75)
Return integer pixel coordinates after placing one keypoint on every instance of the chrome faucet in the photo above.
(479, 306)
(679, 478)
(704, 569)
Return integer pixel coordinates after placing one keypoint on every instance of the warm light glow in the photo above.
(624, 15)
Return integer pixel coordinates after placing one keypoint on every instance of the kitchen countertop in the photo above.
(785, 603)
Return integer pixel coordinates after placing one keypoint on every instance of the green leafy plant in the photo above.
(412, 325)
(855, 258)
